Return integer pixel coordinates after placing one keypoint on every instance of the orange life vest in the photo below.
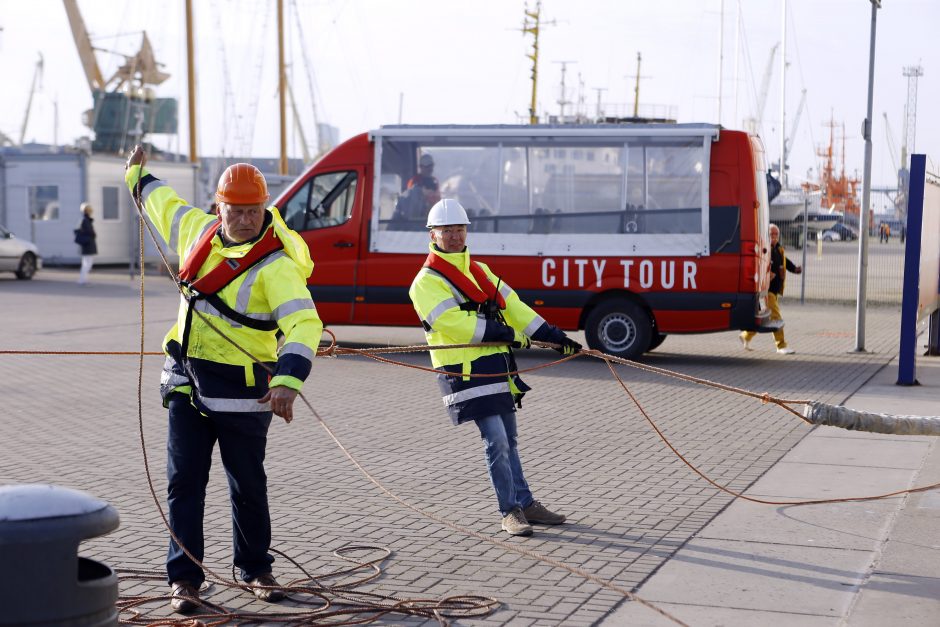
(479, 295)
(208, 285)
(228, 270)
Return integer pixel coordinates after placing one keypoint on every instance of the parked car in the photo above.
(18, 256)
(840, 232)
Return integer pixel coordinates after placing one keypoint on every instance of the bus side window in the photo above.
(389, 192)
(294, 209)
(326, 200)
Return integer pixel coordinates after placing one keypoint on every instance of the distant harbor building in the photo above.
(42, 187)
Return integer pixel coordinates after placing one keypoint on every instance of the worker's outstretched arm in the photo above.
(177, 222)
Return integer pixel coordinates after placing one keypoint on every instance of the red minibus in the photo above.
(629, 232)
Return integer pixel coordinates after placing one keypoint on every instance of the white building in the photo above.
(41, 190)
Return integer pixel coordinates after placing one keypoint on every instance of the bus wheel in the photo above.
(620, 328)
(656, 340)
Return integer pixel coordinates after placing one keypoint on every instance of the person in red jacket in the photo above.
(426, 182)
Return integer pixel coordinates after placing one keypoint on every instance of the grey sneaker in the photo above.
(540, 515)
(515, 524)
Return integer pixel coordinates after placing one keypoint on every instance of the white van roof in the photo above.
(580, 131)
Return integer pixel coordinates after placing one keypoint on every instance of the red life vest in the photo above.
(229, 269)
(486, 290)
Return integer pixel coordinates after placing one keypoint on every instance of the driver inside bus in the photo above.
(421, 192)
(425, 181)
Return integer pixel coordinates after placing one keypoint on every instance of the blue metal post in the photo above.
(907, 357)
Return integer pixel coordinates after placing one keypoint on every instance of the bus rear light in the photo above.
(539, 303)
(726, 305)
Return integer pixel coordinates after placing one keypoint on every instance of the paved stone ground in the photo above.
(72, 421)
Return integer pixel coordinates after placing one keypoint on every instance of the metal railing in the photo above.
(830, 262)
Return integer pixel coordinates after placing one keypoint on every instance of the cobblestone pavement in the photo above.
(72, 421)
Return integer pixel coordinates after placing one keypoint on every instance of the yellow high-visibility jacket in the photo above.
(218, 376)
(438, 304)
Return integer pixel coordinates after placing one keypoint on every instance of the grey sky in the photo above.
(454, 61)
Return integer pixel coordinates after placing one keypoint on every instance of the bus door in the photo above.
(325, 211)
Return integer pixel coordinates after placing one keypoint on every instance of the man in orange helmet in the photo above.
(244, 276)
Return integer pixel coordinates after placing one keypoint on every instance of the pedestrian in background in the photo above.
(86, 238)
(779, 265)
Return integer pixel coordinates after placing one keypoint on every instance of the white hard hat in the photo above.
(447, 211)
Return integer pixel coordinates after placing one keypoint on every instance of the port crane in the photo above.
(753, 124)
(125, 108)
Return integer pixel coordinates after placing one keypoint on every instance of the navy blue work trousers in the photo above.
(242, 439)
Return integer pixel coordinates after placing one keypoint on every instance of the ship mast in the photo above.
(783, 98)
(191, 69)
(281, 82)
(636, 89)
(533, 29)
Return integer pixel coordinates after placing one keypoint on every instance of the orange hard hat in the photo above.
(242, 184)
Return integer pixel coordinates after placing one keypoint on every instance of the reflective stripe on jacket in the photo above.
(274, 289)
(437, 303)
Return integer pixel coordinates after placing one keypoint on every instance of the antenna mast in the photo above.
(532, 28)
(563, 99)
(636, 88)
(911, 72)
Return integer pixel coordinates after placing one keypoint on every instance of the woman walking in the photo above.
(85, 237)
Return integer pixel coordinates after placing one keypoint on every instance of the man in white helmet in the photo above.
(460, 301)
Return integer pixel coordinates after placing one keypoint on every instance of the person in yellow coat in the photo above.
(244, 273)
(460, 301)
(779, 266)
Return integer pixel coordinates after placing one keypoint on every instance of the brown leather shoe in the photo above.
(541, 515)
(184, 597)
(265, 588)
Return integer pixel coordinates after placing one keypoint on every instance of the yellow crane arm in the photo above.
(85, 51)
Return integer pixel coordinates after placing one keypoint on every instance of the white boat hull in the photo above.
(785, 210)
(788, 207)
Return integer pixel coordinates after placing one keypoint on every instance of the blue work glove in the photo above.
(568, 347)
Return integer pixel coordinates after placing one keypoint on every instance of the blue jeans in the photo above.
(242, 440)
(502, 457)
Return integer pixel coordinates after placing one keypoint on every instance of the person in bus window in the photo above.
(426, 181)
(779, 266)
(460, 301)
(421, 192)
